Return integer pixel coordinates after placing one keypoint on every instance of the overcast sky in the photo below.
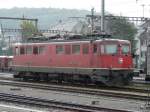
(117, 7)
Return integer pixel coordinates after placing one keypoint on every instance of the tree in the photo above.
(28, 29)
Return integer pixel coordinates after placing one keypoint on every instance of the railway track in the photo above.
(122, 93)
(134, 87)
(54, 104)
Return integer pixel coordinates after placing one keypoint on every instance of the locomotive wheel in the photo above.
(25, 78)
(60, 78)
(37, 78)
(43, 77)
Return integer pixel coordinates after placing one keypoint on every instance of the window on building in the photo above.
(85, 49)
(28, 50)
(41, 49)
(22, 50)
(59, 49)
(95, 48)
(67, 49)
(35, 50)
(111, 49)
(76, 49)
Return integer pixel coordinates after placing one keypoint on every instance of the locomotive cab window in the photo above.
(76, 49)
(125, 49)
(111, 49)
(59, 49)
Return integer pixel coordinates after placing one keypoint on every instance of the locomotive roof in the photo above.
(72, 41)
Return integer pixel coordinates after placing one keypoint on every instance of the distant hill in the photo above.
(46, 16)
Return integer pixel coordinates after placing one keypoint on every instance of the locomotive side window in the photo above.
(111, 49)
(102, 49)
(16, 51)
(41, 49)
(125, 49)
(22, 50)
(95, 48)
(35, 50)
(85, 49)
(29, 50)
(76, 49)
(67, 49)
(59, 49)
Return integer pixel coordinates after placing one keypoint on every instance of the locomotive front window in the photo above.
(125, 49)
(111, 49)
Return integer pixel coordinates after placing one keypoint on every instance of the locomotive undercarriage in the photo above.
(74, 75)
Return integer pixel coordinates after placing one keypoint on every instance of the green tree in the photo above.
(28, 29)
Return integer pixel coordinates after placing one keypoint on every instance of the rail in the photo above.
(99, 92)
(54, 104)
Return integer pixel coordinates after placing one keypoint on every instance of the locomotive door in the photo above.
(94, 58)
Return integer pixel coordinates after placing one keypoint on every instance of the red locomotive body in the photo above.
(108, 61)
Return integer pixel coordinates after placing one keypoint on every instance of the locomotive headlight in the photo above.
(120, 60)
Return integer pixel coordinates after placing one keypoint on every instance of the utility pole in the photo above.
(149, 8)
(102, 15)
(143, 8)
(92, 19)
(8, 52)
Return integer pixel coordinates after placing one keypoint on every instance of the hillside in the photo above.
(46, 16)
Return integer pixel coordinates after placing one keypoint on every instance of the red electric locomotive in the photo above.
(107, 61)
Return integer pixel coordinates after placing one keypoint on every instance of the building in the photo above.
(142, 39)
